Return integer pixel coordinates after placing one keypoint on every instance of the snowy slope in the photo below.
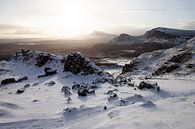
(180, 59)
(44, 106)
(167, 36)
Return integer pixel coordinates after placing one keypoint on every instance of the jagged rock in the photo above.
(50, 83)
(66, 90)
(42, 60)
(73, 109)
(35, 84)
(76, 86)
(77, 63)
(181, 57)
(112, 97)
(20, 91)
(26, 86)
(8, 81)
(129, 67)
(83, 91)
(148, 85)
(48, 72)
(123, 102)
(166, 68)
(22, 79)
(68, 100)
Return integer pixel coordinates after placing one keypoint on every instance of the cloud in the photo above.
(189, 25)
(155, 10)
(9, 30)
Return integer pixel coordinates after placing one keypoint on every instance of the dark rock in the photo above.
(82, 91)
(48, 72)
(73, 109)
(123, 102)
(50, 83)
(91, 91)
(129, 67)
(66, 90)
(76, 86)
(35, 100)
(105, 107)
(26, 86)
(148, 85)
(42, 60)
(68, 100)
(8, 81)
(77, 63)
(166, 68)
(181, 57)
(20, 91)
(22, 79)
(135, 89)
(112, 97)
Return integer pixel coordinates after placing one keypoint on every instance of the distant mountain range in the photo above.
(166, 36)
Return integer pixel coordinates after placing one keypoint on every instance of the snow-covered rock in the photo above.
(179, 60)
(168, 36)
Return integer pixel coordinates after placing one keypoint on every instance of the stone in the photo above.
(148, 85)
(8, 81)
(82, 91)
(20, 91)
(66, 90)
(26, 86)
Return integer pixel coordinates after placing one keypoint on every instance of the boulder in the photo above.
(50, 83)
(8, 81)
(129, 67)
(148, 85)
(77, 63)
(66, 90)
(112, 97)
(22, 79)
(42, 60)
(26, 86)
(20, 91)
(83, 91)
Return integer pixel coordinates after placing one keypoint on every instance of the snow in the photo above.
(172, 107)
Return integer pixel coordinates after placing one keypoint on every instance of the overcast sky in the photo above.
(69, 18)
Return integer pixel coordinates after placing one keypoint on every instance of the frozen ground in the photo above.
(42, 106)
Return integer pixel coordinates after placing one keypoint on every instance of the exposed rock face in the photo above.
(77, 63)
(169, 36)
(13, 80)
(177, 60)
(129, 67)
(36, 58)
(148, 85)
(124, 39)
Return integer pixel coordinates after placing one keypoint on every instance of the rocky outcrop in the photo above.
(77, 63)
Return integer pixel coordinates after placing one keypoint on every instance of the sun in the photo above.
(72, 19)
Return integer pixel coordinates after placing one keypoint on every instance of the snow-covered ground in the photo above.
(41, 106)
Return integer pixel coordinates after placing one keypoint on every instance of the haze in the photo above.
(73, 18)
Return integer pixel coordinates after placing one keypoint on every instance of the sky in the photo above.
(71, 18)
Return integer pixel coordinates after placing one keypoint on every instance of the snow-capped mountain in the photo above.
(124, 39)
(168, 36)
(163, 36)
(178, 60)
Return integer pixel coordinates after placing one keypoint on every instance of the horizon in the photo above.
(75, 18)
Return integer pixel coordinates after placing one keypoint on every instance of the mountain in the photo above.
(179, 60)
(164, 36)
(124, 39)
(168, 36)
